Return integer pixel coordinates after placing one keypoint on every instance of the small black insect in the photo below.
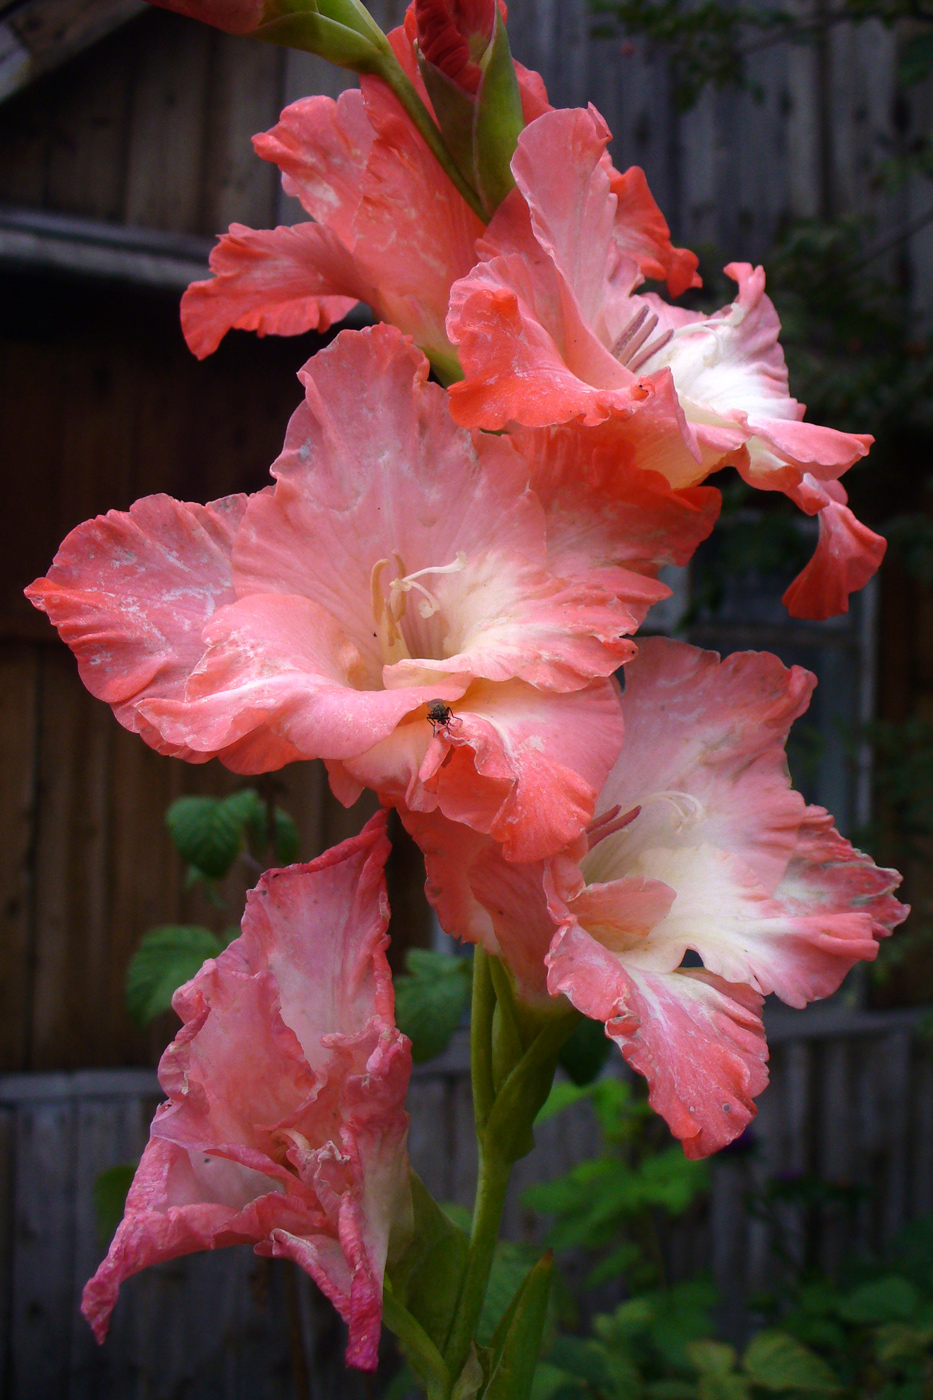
(441, 716)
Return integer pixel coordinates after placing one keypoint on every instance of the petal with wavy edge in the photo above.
(130, 592)
(640, 232)
(698, 1040)
(847, 555)
(279, 281)
(321, 147)
(288, 1136)
(605, 512)
(704, 758)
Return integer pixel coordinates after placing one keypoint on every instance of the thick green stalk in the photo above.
(491, 1186)
(482, 1011)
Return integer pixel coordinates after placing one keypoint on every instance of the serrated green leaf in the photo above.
(777, 1361)
(430, 1001)
(110, 1191)
(167, 957)
(891, 1299)
(206, 832)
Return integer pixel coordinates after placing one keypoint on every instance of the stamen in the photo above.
(631, 349)
(608, 824)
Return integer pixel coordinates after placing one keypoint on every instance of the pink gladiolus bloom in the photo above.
(550, 328)
(284, 1126)
(699, 844)
(398, 561)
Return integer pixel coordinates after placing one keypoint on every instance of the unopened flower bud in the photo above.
(233, 16)
(455, 36)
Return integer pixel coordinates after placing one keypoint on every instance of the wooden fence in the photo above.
(851, 1100)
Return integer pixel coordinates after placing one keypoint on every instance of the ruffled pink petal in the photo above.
(698, 1040)
(130, 592)
(321, 147)
(604, 512)
(713, 731)
(641, 233)
(280, 281)
(285, 1124)
(518, 764)
(281, 665)
(827, 874)
(847, 555)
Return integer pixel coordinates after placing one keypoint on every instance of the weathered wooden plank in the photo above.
(72, 896)
(894, 1065)
(242, 99)
(166, 133)
(19, 673)
(43, 1243)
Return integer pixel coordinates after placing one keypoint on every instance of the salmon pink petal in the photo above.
(697, 1039)
(280, 281)
(641, 233)
(285, 1125)
(130, 593)
(521, 765)
(321, 147)
(847, 555)
(826, 873)
(605, 513)
(704, 756)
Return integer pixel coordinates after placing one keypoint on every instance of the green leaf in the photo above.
(510, 1266)
(428, 1273)
(585, 1053)
(206, 832)
(110, 1191)
(712, 1358)
(779, 1362)
(518, 1338)
(167, 957)
(891, 1299)
(552, 1383)
(251, 812)
(430, 1000)
(724, 1387)
(562, 1096)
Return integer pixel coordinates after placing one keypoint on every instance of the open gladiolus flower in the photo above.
(699, 845)
(284, 1126)
(550, 328)
(399, 563)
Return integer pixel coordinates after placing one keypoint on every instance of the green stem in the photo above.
(481, 1014)
(423, 1355)
(491, 1187)
(393, 74)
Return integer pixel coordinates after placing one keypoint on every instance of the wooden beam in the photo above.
(36, 36)
(32, 238)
